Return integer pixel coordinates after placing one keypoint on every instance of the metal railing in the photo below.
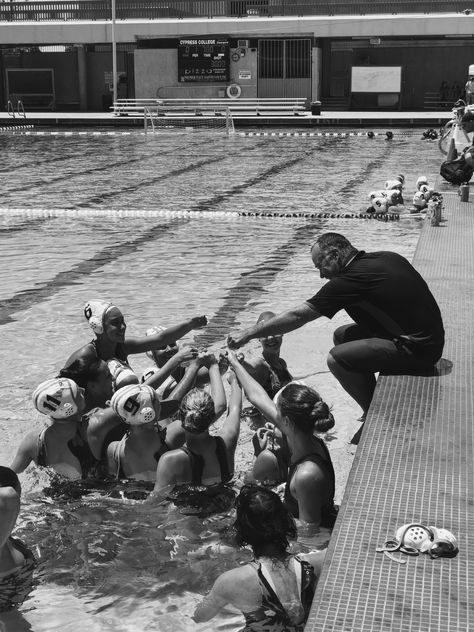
(70, 10)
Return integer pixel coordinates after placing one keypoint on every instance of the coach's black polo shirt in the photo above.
(382, 292)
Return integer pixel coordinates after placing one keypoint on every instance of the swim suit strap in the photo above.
(221, 454)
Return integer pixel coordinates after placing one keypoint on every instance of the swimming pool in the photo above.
(111, 563)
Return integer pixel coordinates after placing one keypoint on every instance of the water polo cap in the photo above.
(419, 199)
(415, 538)
(135, 404)
(376, 194)
(151, 332)
(94, 311)
(149, 372)
(393, 184)
(421, 180)
(380, 204)
(121, 373)
(58, 398)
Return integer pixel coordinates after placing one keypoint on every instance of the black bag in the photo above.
(456, 171)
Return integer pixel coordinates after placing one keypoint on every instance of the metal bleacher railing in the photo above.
(66, 10)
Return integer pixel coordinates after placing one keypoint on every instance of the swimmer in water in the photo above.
(270, 370)
(298, 413)
(16, 560)
(137, 454)
(110, 344)
(275, 590)
(205, 459)
(62, 445)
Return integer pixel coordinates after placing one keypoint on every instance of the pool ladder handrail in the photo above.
(10, 109)
(20, 108)
(147, 113)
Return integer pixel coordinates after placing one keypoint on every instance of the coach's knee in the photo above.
(338, 335)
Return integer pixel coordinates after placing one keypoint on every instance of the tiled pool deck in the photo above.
(414, 463)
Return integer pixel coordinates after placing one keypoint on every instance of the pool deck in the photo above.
(414, 463)
(104, 119)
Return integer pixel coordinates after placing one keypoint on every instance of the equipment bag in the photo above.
(456, 171)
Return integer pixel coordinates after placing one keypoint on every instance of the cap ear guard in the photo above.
(94, 312)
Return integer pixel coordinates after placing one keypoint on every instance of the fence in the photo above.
(65, 10)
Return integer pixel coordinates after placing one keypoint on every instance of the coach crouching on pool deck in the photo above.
(397, 325)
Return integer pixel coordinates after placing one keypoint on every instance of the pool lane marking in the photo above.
(43, 214)
(26, 298)
(253, 282)
(110, 165)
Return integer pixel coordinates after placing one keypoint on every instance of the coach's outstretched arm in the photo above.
(280, 324)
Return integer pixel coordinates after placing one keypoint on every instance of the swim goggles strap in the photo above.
(393, 544)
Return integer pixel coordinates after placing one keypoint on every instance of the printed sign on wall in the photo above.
(204, 59)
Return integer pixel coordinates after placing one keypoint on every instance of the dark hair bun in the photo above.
(322, 417)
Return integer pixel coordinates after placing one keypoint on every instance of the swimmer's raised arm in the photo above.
(27, 451)
(187, 381)
(255, 393)
(163, 338)
(186, 354)
(280, 324)
(209, 360)
(231, 428)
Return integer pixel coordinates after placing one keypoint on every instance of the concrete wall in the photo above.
(156, 75)
(95, 32)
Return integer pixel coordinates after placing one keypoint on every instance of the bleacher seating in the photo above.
(208, 107)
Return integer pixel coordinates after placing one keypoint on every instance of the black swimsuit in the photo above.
(78, 447)
(272, 616)
(16, 584)
(328, 511)
(197, 463)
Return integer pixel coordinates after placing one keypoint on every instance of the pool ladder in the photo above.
(19, 108)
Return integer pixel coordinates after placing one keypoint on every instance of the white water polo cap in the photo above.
(151, 332)
(421, 180)
(136, 404)
(419, 200)
(376, 194)
(121, 373)
(94, 311)
(59, 398)
(380, 204)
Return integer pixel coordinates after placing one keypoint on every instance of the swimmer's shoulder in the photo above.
(87, 352)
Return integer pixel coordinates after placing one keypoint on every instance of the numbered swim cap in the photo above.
(94, 311)
(59, 398)
(136, 404)
(380, 204)
(121, 373)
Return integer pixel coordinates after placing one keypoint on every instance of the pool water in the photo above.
(110, 562)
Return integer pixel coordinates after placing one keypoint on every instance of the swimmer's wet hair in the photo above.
(83, 370)
(8, 478)
(305, 408)
(197, 411)
(263, 519)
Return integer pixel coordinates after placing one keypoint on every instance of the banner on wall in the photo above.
(202, 60)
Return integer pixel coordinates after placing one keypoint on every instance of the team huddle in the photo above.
(106, 421)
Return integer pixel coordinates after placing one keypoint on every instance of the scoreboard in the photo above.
(203, 60)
